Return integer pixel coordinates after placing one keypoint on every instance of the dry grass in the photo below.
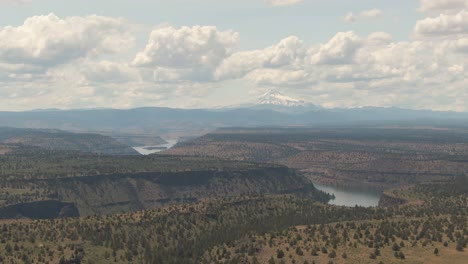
(4, 150)
(360, 255)
(356, 250)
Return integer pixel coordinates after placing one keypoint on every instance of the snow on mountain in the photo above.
(277, 98)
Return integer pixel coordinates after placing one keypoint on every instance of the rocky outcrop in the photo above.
(116, 193)
(39, 210)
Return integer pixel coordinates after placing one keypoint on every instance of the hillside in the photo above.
(265, 229)
(96, 184)
(137, 140)
(432, 231)
(199, 209)
(381, 157)
(62, 140)
(4, 150)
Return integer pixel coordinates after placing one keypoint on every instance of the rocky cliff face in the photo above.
(107, 194)
(39, 210)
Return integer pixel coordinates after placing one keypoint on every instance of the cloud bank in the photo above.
(72, 62)
(282, 2)
(371, 14)
(442, 5)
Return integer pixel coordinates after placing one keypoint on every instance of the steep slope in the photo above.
(105, 194)
(112, 184)
(264, 229)
(276, 98)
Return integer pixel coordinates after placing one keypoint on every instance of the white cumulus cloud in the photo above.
(85, 62)
(370, 14)
(443, 5)
(20, 2)
(444, 24)
(187, 51)
(282, 2)
(50, 40)
(289, 51)
(341, 49)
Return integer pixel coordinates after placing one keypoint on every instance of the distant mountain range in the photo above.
(279, 102)
(272, 109)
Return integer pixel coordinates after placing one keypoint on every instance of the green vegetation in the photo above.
(435, 231)
(248, 230)
(205, 208)
(97, 184)
(344, 156)
(61, 140)
(136, 140)
(38, 163)
(179, 234)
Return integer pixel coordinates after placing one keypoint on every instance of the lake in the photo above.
(349, 196)
(146, 150)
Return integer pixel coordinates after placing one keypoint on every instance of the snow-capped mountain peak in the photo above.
(277, 98)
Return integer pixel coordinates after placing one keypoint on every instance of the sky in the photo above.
(214, 53)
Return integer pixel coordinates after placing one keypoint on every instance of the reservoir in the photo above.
(349, 196)
(146, 150)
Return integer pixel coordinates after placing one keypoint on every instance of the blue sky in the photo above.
(206, 53)
(260, 23)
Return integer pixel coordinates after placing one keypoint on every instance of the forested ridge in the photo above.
(434, 230)
(103, 184)
(54, 139)
(375, 157)
(237, 205)
(248, 230)
(38, 163)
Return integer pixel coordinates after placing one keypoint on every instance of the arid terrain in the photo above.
(238, 196)
(379, 157)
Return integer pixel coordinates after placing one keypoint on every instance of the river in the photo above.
(349, 196)
(344, 196)
(146, 150)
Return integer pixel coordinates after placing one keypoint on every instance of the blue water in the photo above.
(144, 151)
(349, 196)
